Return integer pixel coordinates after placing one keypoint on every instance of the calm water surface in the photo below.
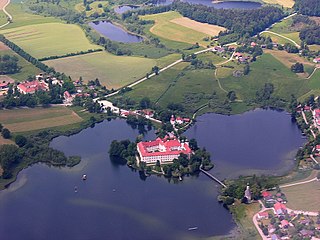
(124, 8)
(225, 5)
(114, 203)
(114, 32)
(260, 141)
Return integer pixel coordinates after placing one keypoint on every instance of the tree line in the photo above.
(26, 55)
(70, 54)
(308, 7)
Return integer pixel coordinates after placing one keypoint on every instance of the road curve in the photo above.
(5, 11)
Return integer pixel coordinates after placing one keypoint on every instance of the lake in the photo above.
(114, 33)
(259, 141)
(124, 8)
(114, 203)
(225, 5)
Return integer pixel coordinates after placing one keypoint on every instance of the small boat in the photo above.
(84, 177)
(75, 189)
(113, 190)
(192, 228)
(180, 178)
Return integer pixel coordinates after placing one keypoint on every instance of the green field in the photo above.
(94, 7)
(49, 39)
(25, 120)
(303, 197)
(173, 35)
(112, 71)
(266, 69)
(22, 18)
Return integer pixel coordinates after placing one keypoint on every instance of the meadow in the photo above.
(49, 39)
(23, 18)
(93, 7)
(112, 71)
(27, 68)
(284, 3)
(173, 27)
(303, 197)
(31, 119)
(265, 69)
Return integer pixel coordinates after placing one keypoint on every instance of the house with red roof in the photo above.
(316, 116)
(237, 55)
(280, 208)
(32, 87)
(284, 224)
(266, 194)
(4, 86)
(263, 215)
(162, 150)
(316, 60)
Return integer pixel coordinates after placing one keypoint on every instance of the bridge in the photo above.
(212, 177)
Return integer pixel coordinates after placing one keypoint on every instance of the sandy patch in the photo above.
(212, 30)
(3, 46)
(285, 3)
(3, 3)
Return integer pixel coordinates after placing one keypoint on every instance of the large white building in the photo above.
(162, 150)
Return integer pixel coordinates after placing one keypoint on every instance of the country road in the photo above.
(279, 35)
(3, 5)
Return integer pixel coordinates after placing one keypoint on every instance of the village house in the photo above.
(316, 60)
(32, 87)
(4, 86)
(237, 55)
(178, 120)
(162, 150)
(280, 208)
(68, 97)
(316, 116)
(263, 215)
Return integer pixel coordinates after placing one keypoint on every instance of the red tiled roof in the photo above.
(31, 87)
(284, 223)
(278, 206)
(170, 146)
(263, 214)
(265, 194)
(4, 84)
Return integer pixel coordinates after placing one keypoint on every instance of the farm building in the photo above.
(32, 87)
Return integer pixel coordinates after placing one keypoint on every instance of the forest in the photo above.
(9, 64)
(308, 7)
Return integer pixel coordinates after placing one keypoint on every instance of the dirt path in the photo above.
(279, 35)
(3, 5)
(299, 183)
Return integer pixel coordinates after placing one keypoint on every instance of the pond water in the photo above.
(113, 203)
(114, 33)
(225, 5)
(124, 8)
(259, 141)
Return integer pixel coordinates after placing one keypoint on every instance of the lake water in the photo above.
(225, 5)
(114, 203)
(124, 8)
(260, 141)
(114, 33)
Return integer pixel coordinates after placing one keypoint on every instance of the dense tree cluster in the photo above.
(297, 68)
(308, 7)
(9, 64)
(56, 9)
(311, 34)
(235, 189)
(240, 23)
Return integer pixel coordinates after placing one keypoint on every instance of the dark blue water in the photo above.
(114, 203)
(225, 5)
(124, 8)
(260, 141)
(114, 32)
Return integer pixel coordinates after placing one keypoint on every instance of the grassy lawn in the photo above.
(265, 69)
(277, 39)
(210, 56)
(94, 7)
(30, 119)
(22, 18)
(170, 26)
(27, 68)
(303, 197)
(284, 3)
(49, 39)
(146, 50)
(243, 215)
(112, 71)
(288, 59)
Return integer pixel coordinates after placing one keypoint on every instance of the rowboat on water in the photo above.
(192, 228)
